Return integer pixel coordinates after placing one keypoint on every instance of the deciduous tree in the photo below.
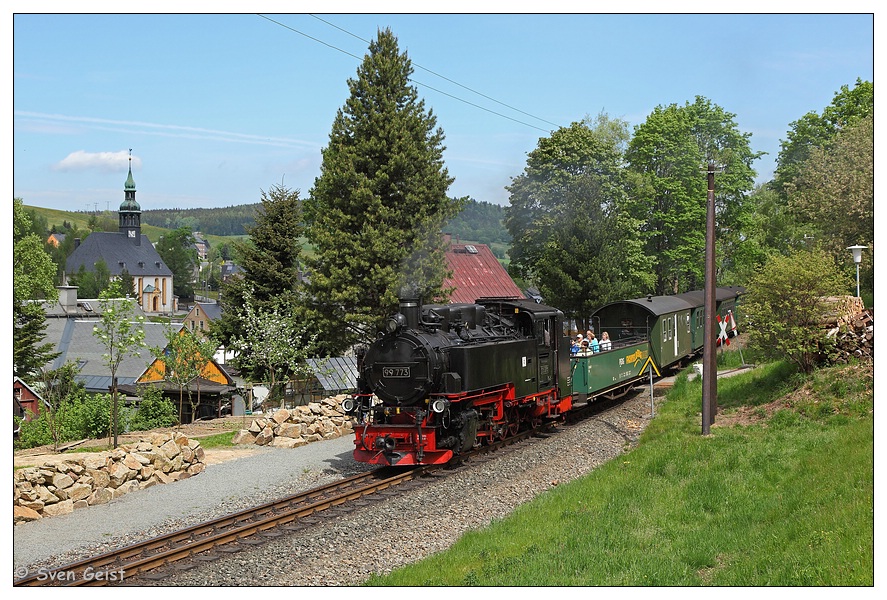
(32, 272)
(817, 131)
(833, 194)
(122, 334)
(571, 235)
(271, 348)
(177, 250)
(785, 309)
(670, 151)
(183, 360)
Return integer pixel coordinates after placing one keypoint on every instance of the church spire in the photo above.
(130, 213)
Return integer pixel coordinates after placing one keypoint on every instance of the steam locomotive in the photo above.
(442, 379)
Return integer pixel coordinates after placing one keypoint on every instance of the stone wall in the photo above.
(60, 487)
(290, 428)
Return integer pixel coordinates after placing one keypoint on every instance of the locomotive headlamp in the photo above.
(440, 405)
(395, 323)
(348, 405)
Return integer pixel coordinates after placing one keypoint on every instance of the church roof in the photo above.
(119, 253)
(130, 184)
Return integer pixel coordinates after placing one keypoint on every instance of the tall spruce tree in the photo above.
(269, 259)
(375, 214)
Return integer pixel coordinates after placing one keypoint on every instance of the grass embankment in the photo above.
(781, 494)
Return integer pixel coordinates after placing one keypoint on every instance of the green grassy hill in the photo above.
(780, 494)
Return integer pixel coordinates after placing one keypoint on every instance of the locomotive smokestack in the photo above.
(409, 308)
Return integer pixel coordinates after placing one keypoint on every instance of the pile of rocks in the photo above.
(59, 487)
(291, 428)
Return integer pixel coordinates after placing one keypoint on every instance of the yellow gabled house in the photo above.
(214, 386)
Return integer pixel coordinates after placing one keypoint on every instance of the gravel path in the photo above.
(325, 555)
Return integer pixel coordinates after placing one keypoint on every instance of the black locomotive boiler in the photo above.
(442, 378)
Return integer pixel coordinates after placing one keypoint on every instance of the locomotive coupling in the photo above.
(386, 443)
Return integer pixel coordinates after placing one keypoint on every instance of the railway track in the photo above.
(209, 541)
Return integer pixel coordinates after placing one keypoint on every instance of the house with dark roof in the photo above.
(477, 273)
(128, 252)
(210, 390)
(56, 239)
(69, 328)
(72, 337)
(201, 315)
(229, 270)
(201, 244)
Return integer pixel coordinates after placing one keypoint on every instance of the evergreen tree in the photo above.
(375, 213)
(270, 260)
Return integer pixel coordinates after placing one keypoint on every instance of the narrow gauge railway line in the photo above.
(224, 534)
(206, 542)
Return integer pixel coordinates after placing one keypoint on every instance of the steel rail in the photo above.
(133, 559)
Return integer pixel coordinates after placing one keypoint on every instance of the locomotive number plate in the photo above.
(403, 372)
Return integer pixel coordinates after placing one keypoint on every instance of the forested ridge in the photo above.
(228, 220)
(478, 222)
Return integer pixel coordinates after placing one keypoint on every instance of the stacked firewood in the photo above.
(852, 327)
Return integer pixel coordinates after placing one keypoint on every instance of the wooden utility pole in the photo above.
(709, 358)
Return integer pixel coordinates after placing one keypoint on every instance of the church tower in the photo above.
(130, 212)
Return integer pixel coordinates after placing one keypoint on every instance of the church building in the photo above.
(129, 252)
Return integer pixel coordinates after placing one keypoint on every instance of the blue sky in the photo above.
(217, 107)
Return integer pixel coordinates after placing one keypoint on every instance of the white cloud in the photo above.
(106, 162)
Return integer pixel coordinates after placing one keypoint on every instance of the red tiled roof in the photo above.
(477, 274)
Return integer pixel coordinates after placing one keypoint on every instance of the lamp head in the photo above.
(857, 252)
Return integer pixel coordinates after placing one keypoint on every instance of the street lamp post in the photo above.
(857, 258)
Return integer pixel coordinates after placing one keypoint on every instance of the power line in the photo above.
(450, 80)
(418, 82)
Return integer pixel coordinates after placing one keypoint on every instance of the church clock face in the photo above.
(132, 233)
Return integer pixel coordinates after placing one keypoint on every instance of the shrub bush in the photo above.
(90, 415)
(154, 411)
